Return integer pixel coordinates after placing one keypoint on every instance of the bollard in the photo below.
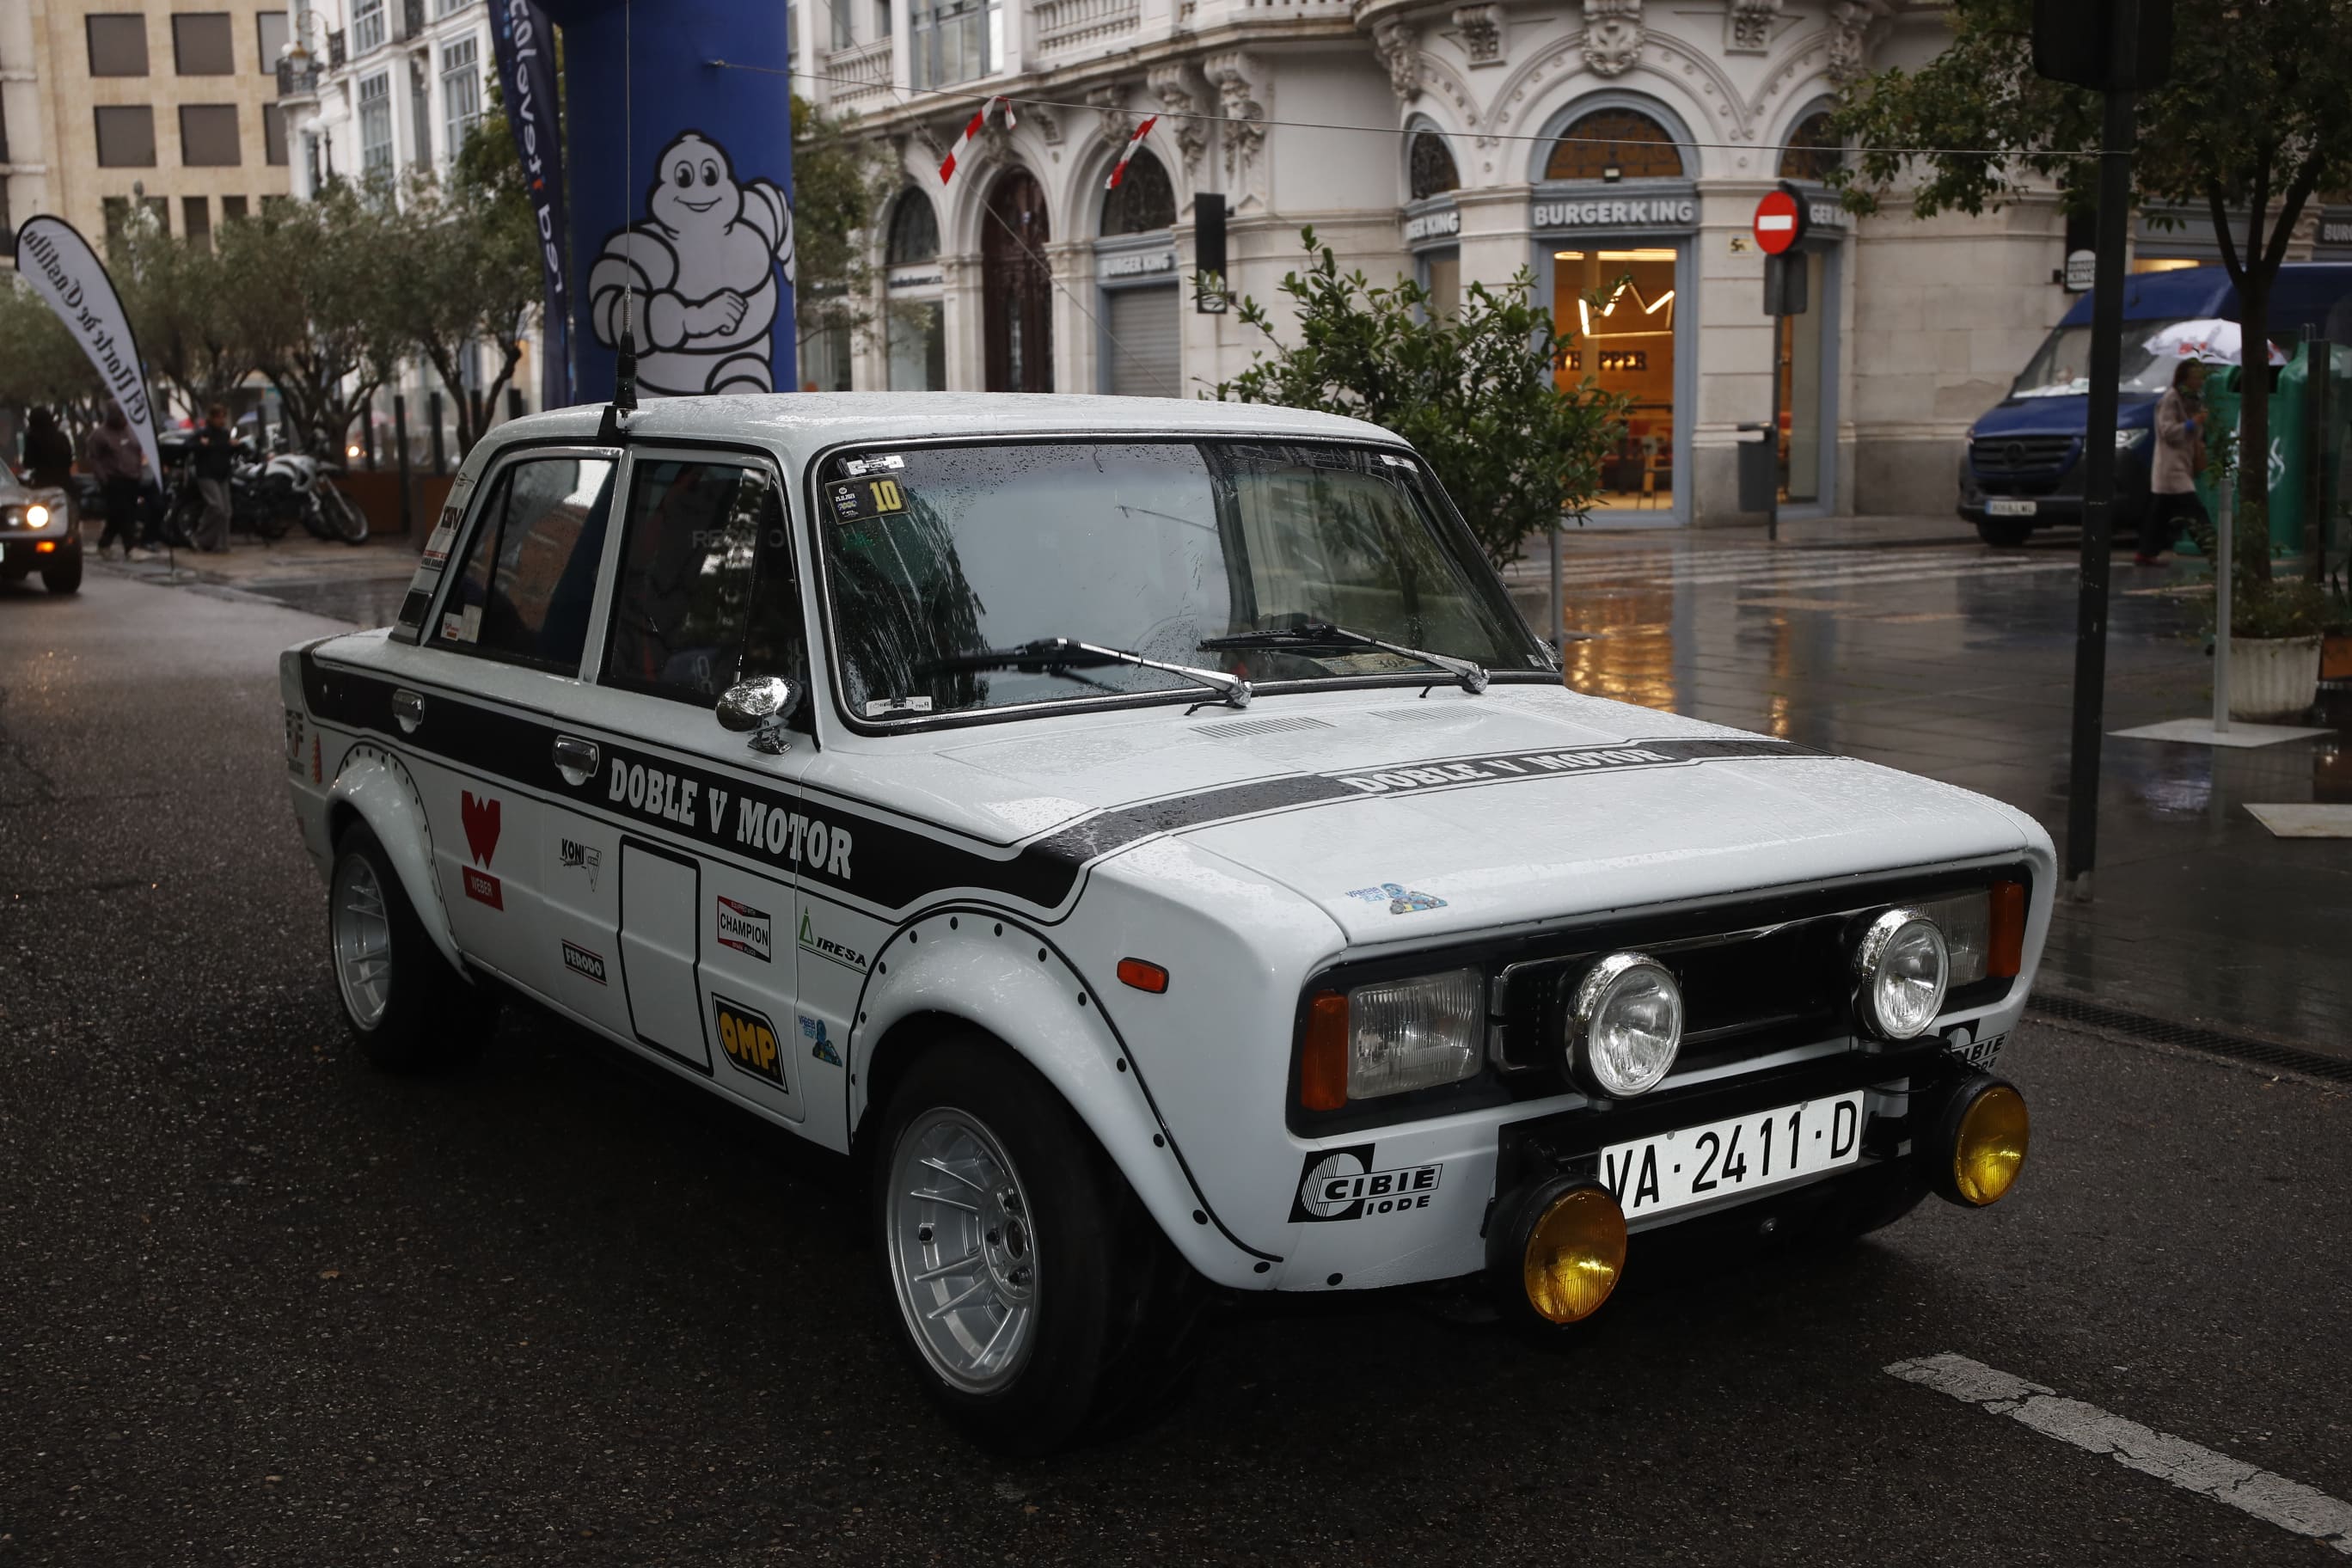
(2222, 544)
(399, 443)
(514, 402)
(440, 453)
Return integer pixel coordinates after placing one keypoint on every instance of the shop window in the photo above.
(126, 136)
(1442, 275)
(208, 135)
(118, 45)
(914, 230)
(918, 345)
(203, 44)
(1615, 144)
(1144, 200)
(1430, 170)
(1621, 307)
(1814, 151)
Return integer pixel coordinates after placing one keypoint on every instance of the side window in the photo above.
(706, 594)
(528, 580)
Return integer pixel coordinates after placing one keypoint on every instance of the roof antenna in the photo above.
(613, 431)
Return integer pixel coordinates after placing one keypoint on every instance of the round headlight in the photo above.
(1989, 1146)
(1573, 1255)
(1904, 967)
(1624, 1026)
(37, 516)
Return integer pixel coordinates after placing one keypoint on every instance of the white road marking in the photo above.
(2273, 1498)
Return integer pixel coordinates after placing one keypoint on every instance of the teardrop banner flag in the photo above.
(526, 50)
(53, 256)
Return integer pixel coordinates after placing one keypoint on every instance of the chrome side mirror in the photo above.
(760, 708)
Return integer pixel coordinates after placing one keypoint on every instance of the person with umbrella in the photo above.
(2172, 502)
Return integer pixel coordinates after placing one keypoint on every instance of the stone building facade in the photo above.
(1581, 140)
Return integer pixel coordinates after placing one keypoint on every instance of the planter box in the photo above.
(2273, 677)
(2335, 657)
(376, 492)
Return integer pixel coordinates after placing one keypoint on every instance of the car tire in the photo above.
(408, 1010)
(1055, 1234)
(65, 577)
(2003, 533)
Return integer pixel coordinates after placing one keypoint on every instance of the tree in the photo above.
(40, 362)
(466, 271)
(177, 295)
(839, 182)
(1476, 392)
(2255, 118)
(308, 290)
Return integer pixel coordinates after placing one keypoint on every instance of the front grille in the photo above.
(1759, 975)
(2023, 457)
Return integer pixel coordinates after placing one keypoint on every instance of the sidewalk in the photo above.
(363, 583)
(1906, 642)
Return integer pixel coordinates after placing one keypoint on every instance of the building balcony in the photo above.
(860, 76)
(1066, 26)
(292, 83)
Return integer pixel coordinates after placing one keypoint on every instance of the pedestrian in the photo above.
(2172, 500)
(215, 457)
(114, 460)
(48, 453)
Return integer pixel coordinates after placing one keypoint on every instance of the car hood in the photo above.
(2056, 416)
(1403, 819)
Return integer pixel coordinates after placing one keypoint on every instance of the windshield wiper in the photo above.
(1324, 635)
(1057, 655)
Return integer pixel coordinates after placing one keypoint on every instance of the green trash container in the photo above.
(2287, 458)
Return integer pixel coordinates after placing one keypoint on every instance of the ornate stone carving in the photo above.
(1748, 26)
(1173, 89)
(1848, 21)
(1113, 123)
(1244, 129)
(1481, 33)
(1613, 35)
(1049, 122)
(1398, 44)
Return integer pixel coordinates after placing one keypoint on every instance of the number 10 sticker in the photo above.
(854, 500)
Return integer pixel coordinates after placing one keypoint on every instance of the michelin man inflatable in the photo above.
(698, 276)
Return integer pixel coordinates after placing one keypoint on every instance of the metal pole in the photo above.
(433, 413)
(400, 445)
(1559, 638)
(2221, 596)
(2099, 460)
(1772, 431)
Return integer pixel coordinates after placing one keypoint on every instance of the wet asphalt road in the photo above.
(259, 1305)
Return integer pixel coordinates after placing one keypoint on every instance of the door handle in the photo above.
(409, 708)
(575, 759)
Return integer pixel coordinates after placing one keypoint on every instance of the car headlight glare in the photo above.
(1905, 968)
(1397, 1035)
(37, 516)
(1624, 1026)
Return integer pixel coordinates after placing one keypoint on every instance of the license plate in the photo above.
(1724, 1159)
(2003, 506)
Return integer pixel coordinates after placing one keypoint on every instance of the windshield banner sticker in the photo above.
(853, 500)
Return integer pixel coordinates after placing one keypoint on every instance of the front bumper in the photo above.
(1421, 1201)
(22, 552)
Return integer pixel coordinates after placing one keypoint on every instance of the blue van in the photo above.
(2023, 468)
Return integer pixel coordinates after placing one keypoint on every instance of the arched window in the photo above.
(1615, 144)
(1142, 201)
(1429, 166)
(914, 230)
(1813, 150)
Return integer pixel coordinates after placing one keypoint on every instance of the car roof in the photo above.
(2303, 292)
(802, 424)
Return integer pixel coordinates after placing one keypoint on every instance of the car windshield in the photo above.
(936, 554)
(2061, 367)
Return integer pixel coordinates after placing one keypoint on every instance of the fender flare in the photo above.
(1020, 988)
(374, 783)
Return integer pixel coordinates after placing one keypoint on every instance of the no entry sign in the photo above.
(1780, 221)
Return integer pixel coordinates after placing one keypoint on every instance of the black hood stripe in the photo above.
(892, 865)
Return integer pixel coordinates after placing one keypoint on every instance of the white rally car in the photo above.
(1145, 837)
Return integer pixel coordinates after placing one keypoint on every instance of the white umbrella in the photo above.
(2211, 341)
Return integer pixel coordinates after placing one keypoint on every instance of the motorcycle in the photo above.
(267, 497)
